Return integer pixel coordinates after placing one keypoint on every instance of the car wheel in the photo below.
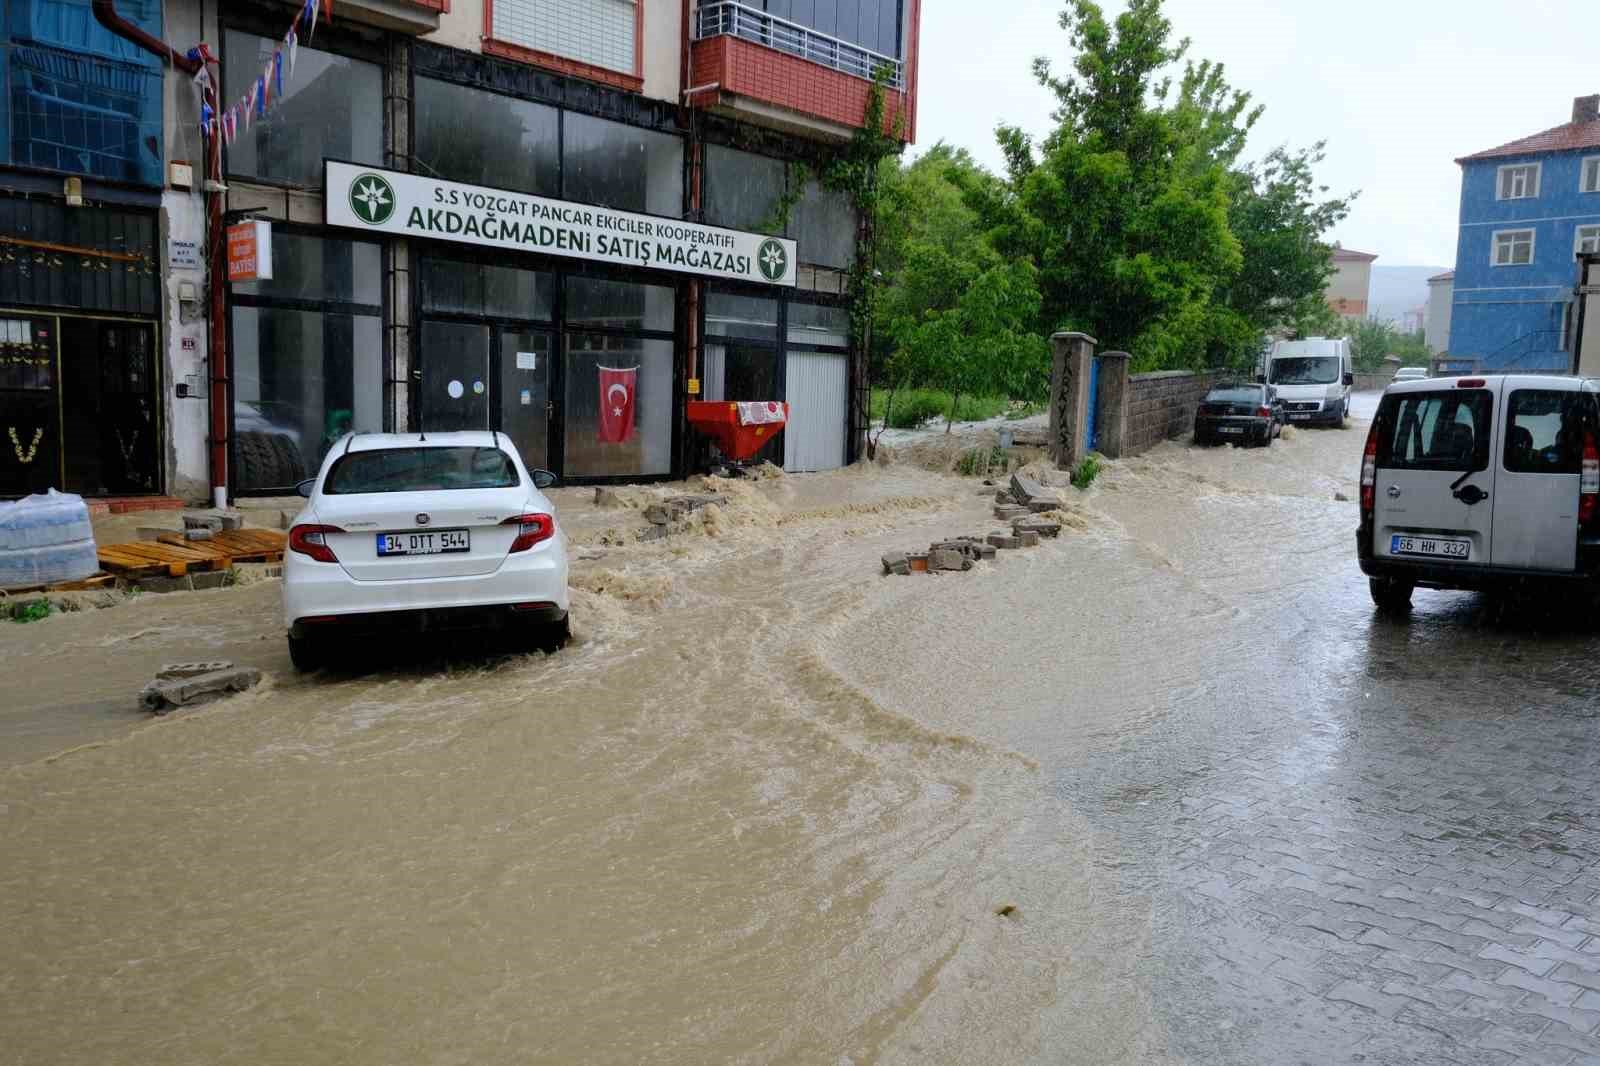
(1391, 595)
(306, 655)
(550, 637)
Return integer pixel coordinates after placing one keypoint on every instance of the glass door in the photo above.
(455, 376)
(524, 399)
(30, 406)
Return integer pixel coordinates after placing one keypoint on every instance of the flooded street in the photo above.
(1163, 790)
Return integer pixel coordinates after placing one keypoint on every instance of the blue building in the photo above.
(1527, 209)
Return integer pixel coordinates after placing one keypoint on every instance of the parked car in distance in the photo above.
(1480, 483)
(1314, 377)
(1239, 412)
(1410, 373)
(411, 533)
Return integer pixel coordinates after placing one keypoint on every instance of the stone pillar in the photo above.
(1111, 409)
(1069, 396)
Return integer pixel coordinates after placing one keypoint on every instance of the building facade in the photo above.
(1528, 208)
(1436, 328)
(476, 208)
(1350, 288)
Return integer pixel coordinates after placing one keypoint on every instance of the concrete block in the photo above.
(1027, 538)
(197, 533)
(896, 563)
(231, 520)
(202, 520)
(659, 514)
(1006, 512)
(173, 671)
(1005, 540)
(1003, 497)
(1024, 489)
(1041, 506)
(161, 696)
(153, 532)
(165, 584)
(1041, 526)
(948, 559)
(210, 579)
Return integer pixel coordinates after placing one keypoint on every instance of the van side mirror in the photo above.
(543, 479)
(1349, 378)
(305, 487)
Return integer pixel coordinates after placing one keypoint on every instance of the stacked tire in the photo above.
(46, 539)
(268, 460)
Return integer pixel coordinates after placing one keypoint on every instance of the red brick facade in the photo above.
(747, 69)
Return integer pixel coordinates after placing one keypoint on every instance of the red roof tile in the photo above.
(1571, 137)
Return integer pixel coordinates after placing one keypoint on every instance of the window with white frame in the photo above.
(1518, 182)
(1590, 179)
(1588, 239)
(1513, 247)
(600, 33)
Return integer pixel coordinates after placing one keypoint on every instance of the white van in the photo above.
(1480, 483)
(1314, 378)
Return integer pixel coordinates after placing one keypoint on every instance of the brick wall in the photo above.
(1374, 382)
(1161, 406)
(773, 77)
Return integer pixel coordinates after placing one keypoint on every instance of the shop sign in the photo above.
(183, 255)
(250, 251)
(412, 205)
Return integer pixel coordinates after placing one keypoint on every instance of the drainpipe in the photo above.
(105, 13)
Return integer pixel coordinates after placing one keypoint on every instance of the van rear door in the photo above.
(1434, 477)
(1536, 487)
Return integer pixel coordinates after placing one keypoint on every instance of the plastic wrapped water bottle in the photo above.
(46, 539)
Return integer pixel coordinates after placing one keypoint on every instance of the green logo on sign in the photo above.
(772, 260)
(372, 199)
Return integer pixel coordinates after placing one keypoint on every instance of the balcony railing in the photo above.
(733, 19)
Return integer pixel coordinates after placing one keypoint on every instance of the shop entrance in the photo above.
(490, 376)
(78, 406)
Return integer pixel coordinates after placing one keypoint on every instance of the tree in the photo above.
(1125, 217)
(984, 343)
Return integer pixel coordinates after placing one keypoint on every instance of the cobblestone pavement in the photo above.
(1402, 866)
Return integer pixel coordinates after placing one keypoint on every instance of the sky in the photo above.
(1399, 89)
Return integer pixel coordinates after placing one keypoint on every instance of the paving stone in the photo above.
(1457, 1027)
(1579, 1021)
(1576, 975)
(1439, 998)
(1555, 991)
(1385, 1006)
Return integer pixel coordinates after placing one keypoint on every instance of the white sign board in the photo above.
(411, 205)
(183, 255)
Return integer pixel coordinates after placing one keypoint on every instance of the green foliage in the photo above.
(979, 462)
(1086, 471)
(30, 610)
(1147, 233)
(1371, 341)
(913, 407)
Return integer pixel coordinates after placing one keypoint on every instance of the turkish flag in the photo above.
(616, 404)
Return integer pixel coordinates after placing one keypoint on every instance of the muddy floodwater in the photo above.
(768, 807)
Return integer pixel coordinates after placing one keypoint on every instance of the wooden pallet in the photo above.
(172, 556)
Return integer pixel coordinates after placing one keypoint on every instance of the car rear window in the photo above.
(1445, 430)
(1241, 394)
(1544, 432)
(421, 470)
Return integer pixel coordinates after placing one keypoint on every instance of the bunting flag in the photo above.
(222, 126)
(258, 93)
(311, 19)
(277, 73)
(292, 42)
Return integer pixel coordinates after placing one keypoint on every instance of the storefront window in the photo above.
(333, 106)
(307, 358)
(593, 303)
(742, 190)
(818, 326)
(311, 268)
(741, 351)
(483, 138)
(301, 380)
(622, 166)
(591, 447)
(480, 289)
(823, 225)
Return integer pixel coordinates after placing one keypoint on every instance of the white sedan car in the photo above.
(408, 533)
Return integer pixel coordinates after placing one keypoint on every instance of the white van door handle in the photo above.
(1470, 494)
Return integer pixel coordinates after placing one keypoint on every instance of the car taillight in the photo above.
(313, 541)
(531, 529)
(1369, 470)
(1589, 480)
(1264, 412)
